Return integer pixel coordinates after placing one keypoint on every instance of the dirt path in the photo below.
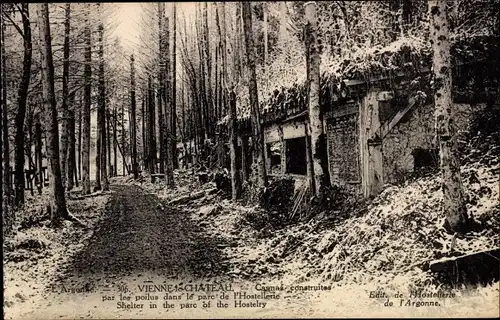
(139, 241)
(140, 236)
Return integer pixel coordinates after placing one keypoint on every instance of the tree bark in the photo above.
(85, 154)
(65, 92)
(174, 87)
(38, 152)
(233, 140)
(70, 156)
(145, 155)
(3, 106)
(167, 122)
(108, 141)
(7, 181)
(453, 195)
(123, 137)
(161, 82)
(258, 135)
(315, 117)
(151, 129)
(101, 158)
(79, 171)
(132, 124)
(115, 141)
(21, 108)
(57, 199)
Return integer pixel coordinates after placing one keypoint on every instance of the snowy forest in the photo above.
(349, 144)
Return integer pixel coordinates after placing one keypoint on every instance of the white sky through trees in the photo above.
(128, 18)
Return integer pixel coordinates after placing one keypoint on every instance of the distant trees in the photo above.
(453, 194)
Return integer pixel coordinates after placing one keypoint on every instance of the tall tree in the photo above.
(167, 123)
(71, 150)
(65, 95)
(151, 127)
(3, 106)
(115, 141)
(453, 194)
(123, 137)
(161, 81)
(315, 121)
(7, 181)
(101, 114)
(86, 106)
(22, 96)
(57, 199)
(258, 134)
(132, 124)
(235, 181)
(174, 86)
(38, 152)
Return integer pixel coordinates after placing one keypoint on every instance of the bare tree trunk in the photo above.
(115, 141)
(27, 148)
(207, 69)
(79, 172)
(145, 159)
(238, 39)
(220, 85)
(167, 123)
(108, 141)
(3, 106)
(258, 135)
(151, 130)
(184, 133)
(65, 92)
(71, 157)
(233, 141)
(70, 150)
(38, 152)
(57, 199)
(21, 108)
(161, 88)
(266, 34)
(132, 124)
(7, 177)
(233, 138)
(101, 115)
(174, 87)
(454, 207)
(315, 118)
(85, 154)
(124, 160)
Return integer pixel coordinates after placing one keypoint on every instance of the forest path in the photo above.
(138, 235)
(138, 242)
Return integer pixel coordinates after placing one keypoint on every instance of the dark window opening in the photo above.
(425, 159)
(274, 155)
(296, 162)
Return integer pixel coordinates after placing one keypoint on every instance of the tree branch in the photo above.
(15, 25)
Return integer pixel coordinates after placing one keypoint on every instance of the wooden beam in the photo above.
(387, 126)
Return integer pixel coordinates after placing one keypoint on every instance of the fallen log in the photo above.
(478, 267)
(192, 196)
